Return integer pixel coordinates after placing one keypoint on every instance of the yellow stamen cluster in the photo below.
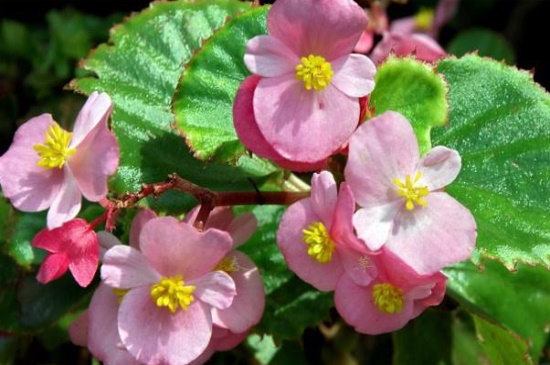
(320, 244)
(424, 19)
(172, 293)
(387, 298)
(413, 194)
(228, 265)
(315, 72)
(55, 151)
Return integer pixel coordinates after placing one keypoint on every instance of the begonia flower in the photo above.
(73, 246)
(317, 240)
(394, 297)
(306, 102)
(403, 205)
(377, 24)
(48, 167)
(171, 286)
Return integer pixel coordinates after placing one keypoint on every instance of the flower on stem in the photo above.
(73, 246)
(317, 240)
(306, 67)
(48, 167)
(403, 206)
(166, 314)
(394, 297)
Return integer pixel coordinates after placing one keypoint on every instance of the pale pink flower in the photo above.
(388, 302)
(377, 24)
(403, 205)
(172, 286)
(317, 240)
(306, 103)
(73, 246)
(48, 167)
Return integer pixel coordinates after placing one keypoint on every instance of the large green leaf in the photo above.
(500, 125)
(485, 42)
(204, 103)
(291, 304)
(517, 300)
(414, 89)
(140, 68)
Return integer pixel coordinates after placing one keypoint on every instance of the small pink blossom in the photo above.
(306, 103)
(401, 44)
(394, 297)
(317, 240)
(403, 206)
(48, 167)
(73, 246)
(377, 24)
(154, 324)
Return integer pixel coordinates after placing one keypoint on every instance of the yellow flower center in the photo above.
(320, 245)
(228, 265)
(172, 293)
(120, 293)
(387, 298)
(55, 151)
(412, 193)
(424, 19)
(315, 72)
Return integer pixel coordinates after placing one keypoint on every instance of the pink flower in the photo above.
(377, 24)
(73, 246)
(48, 167)
(166, 314)
(317, 240)
(306, 102)
(400, 44)
(403, 205)
(387, 303)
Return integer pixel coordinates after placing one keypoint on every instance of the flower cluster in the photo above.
(175, 295)
(382, 259)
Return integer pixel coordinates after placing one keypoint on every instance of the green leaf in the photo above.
(291, 304)
(203, 104)
(20, 248)
(140, 68)
(425, 340)
(415, 90)
(485, 42)
(517, 300)
(466, 347)
(502, 346)
(500, 125)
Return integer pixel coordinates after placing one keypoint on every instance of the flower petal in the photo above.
(324, 195)
(143, 216)
(316, 26)
(125, 267)
(405, 25)
(153, 335)
(248, 305)
(242, 228)
(177, 248)
(381, 150)
(439, 167)
(423, 47)
(84, 265)
(78, 329)
(365, 42)
(432, 237)
(268, 57)
(298, 217)
(53, 267)
(104, 342)
(373, 225)
(95, 159)
(302, 125)
(215, 288)
(66, 204)
(354, 75)
(249, 134)
(356, 305)
(29, 187)
(96, 110)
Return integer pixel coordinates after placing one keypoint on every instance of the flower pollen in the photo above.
(424, 19)
(55, 151)
(320, 244)
(228, 265)
(413, 194)
(315, 72)
(387, 298)
(172, 292)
